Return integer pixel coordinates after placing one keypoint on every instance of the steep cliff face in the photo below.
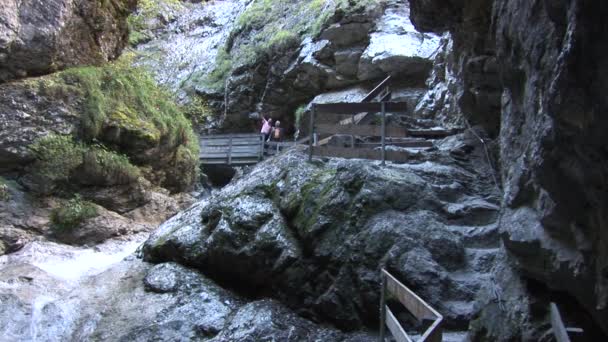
(39, 38)
(86, 153)
(252, 58)
(547, 59)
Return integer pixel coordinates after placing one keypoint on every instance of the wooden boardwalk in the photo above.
(245, 149)
(231, 149)
(238, 149)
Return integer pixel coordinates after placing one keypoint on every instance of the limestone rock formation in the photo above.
(546, 60)
(350, 47)
(39, 38)
(315, 235)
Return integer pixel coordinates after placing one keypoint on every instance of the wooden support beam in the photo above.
(418, 307)
(559, 330)
(382, 310)
(359, 153)
(363, 130)
(415, 305)
(395, 328)
(377, 90)
(354, 108)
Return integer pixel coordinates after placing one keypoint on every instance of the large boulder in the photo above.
(38, 39)
(315, 235)
(397, 48)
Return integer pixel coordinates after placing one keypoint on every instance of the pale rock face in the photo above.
(397, 47)
(40, 37)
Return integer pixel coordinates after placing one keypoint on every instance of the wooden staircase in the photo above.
(359, 125)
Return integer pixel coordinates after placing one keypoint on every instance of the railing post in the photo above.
(352, 137)
(262, 147)
(230, 150)
(383, 106)
(312, 131)
(382, 307)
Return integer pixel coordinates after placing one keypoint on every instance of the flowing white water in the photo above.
(71, 263)
(43, 287)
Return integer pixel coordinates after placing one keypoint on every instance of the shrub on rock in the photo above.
(72, 214)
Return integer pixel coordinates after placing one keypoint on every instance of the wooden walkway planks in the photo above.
(361, 130)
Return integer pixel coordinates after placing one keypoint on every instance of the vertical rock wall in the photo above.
(547, 58)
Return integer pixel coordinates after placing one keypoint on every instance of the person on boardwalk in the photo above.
(266, 127)
(277, 132)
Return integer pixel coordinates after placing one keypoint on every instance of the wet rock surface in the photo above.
(351, 50)
(37, 40)
(506, 80)
(315, 235)
(134, 301)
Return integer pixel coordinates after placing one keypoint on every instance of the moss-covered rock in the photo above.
(97, 125)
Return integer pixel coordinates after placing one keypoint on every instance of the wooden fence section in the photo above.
(355, 108)
(368, 130)
(381, 91)
(414, 304)
(231, 149)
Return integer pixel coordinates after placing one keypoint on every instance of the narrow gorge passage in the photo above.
(138, 201)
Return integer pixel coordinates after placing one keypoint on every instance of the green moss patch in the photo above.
(72, 213)
(60, 160)
(123, 111)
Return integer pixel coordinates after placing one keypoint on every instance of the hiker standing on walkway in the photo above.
(266, 127)
(277, 132)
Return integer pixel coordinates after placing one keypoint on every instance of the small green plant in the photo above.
(283, 40)
(104, 167)
(4, 193)
(56, 157)
(197, 111)
(72, 213)
(299, 116)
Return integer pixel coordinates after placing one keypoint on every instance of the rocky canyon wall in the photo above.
(542, 64)
(38, 38)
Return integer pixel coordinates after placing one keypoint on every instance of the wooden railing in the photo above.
(381, 93)
(231, 149)
(240, 149)
(414, 304)
(353, 108)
